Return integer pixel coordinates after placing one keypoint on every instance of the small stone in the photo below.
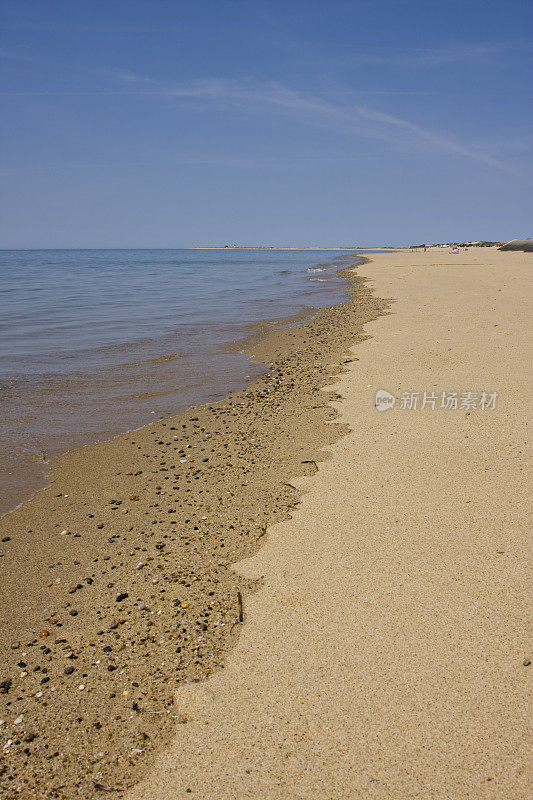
(526, 662)
(121, 596)
(73, 612)
(69, 670)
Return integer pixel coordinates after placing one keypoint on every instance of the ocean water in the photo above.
(95, 342)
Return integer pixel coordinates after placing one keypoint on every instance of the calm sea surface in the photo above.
(94, 342)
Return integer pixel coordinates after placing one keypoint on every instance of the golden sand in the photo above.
(386, 654)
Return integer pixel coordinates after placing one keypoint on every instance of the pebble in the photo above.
(69, 670)
(526, 662)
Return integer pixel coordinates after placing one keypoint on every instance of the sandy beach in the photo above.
(387, 653)
(265, 388)
(116, 581)
(289, 594)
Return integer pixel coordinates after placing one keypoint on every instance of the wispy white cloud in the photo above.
(453, 54)
(334, 108)
(314, 109)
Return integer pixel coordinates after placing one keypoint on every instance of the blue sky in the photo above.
(161, 123)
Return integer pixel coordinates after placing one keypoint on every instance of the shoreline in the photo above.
(95, 593)
(27, 455)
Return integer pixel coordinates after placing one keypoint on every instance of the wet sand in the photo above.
(116, 581)
(387, 653)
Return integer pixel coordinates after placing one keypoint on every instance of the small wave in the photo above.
(164, 391)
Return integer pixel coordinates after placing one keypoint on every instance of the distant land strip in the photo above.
(271, 247)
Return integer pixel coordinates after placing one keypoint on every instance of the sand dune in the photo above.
(526, 245)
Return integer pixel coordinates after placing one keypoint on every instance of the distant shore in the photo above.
(267, 247)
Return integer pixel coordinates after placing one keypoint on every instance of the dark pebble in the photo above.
(526, 662)
(111, 668)
(69, 670)
(73, 612)
(121, 596)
